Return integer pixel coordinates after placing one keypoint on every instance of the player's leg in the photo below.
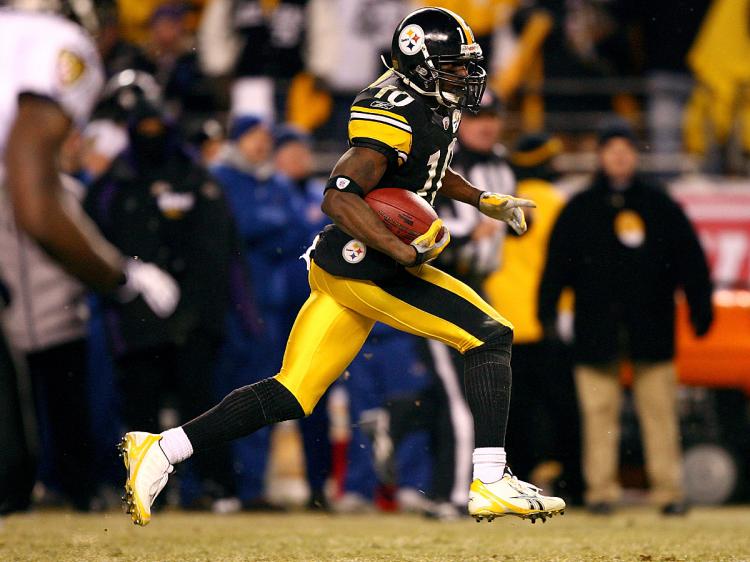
(432, 304)
(325, 338)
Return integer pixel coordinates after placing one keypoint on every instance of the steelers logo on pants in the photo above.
(354, 251)
(630, 228)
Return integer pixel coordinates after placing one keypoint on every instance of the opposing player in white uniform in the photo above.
(50, 78)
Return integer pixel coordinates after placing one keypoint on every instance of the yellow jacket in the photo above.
(513, 289)
(720, 60)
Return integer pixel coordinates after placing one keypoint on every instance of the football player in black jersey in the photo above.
(401, 133)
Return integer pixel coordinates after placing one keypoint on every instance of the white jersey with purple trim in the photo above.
(49, 56)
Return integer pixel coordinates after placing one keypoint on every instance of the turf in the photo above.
(636, 534)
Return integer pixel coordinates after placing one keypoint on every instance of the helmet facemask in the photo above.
(455, 91)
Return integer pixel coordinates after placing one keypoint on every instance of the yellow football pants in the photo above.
(333, 324)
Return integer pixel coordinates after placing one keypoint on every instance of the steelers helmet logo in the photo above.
(630, 228)
(411, 39)
(354, 251)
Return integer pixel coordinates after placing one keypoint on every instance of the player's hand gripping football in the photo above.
(158, 288)
(505, 208)
(431, 243)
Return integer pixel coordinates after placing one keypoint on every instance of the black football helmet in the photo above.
(428, 45)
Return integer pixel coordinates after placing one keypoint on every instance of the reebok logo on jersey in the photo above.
(354, 251)
(377, 104)
(70, 67)
(341, 183)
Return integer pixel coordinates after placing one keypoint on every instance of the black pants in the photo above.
(451, 428)
(184, 372)
(17, 461)
(544, 422)
(59, 378)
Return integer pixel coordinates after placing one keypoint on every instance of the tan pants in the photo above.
(600, 398)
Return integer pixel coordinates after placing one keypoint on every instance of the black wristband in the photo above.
(344, 183)
(479, 198)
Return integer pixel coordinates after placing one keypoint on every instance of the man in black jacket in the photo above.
(624, 247)
(156, 203)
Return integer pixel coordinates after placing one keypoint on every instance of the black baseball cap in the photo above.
(490, 104)
(616, 128)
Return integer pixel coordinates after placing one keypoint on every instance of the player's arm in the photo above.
(364, 167)
(33, 181)
(501, 207)
(456, 187)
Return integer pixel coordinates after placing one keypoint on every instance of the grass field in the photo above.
(634, 534)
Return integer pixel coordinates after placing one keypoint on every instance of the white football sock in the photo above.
(176, 445)
(489, 464)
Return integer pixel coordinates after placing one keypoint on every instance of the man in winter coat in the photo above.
(624, 247)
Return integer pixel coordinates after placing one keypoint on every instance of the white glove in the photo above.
(430, 244)
(158, 289)
(505, 208)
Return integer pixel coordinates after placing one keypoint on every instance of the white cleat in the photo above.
(511, 496)
(148, 471)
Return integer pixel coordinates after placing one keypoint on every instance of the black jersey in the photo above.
(418, 141)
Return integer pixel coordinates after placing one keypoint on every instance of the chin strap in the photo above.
(434, 94)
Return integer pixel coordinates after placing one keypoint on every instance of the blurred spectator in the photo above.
(473, 254)
(188, 94)
(46, 324)
(134, 17)
(583, 40)
(258, 44)
(544, 439)
(155, 203)
(123, 92)
(625, 247)
(343, 62)
(665, 32)
(267, 212)
(117, 53)
(294, 160)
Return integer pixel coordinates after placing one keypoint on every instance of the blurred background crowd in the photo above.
(206, 156)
